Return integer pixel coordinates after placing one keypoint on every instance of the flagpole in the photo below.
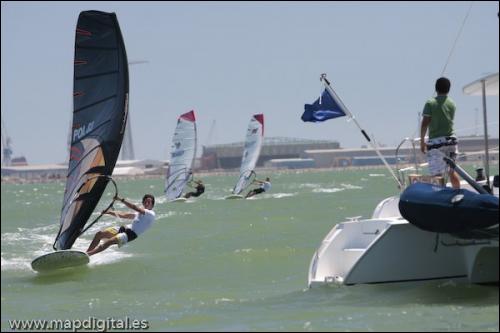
(367, 137)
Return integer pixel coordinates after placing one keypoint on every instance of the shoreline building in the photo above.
(278, 153)
(228, 156)
(59, 171)
(293, 153)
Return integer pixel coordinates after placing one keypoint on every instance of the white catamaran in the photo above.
(388, 248)
(251, 152)
(182, 155)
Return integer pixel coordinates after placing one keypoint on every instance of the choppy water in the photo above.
(215, 264)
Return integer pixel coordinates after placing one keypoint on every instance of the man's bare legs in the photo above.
(250, 194)
(97, 239)
(103, 246)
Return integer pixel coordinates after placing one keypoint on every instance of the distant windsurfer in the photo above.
(143, 219)
(438, 117)
(265, 185)
(200, 188)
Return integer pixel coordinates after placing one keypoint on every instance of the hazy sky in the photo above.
(228, 61)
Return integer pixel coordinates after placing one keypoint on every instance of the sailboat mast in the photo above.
(367, 137)
(486, 146)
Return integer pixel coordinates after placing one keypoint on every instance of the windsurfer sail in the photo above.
(100, 105)
(182, 155)
(253, 143)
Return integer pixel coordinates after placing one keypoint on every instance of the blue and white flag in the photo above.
(324, 108)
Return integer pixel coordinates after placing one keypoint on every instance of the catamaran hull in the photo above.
(393, 250)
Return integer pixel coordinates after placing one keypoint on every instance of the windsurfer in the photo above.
(265, 185)
(143, 220)
(200, 188)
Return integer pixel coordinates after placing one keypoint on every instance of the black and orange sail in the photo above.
(100, 106)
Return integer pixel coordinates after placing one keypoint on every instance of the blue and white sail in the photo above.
(324, 108)
(182, 155)
(251, 152)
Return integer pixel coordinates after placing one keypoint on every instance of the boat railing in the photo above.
(403, 171)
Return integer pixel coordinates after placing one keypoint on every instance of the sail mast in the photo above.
(182, 155)
(486, 86)
(367, 137)
(251, 152)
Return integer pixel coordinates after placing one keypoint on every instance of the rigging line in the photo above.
(451, 52)
(456, 39)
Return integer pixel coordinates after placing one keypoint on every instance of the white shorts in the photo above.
(437, 166)
(121, 237)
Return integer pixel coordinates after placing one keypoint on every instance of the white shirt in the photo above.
(266, 186)
(142, 222)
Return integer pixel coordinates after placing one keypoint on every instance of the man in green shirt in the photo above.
(438, 117)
